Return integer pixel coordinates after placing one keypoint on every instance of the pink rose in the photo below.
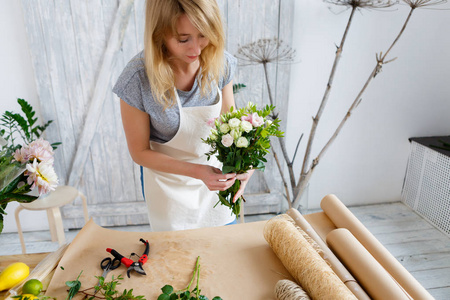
(257, 120)
(211, 122)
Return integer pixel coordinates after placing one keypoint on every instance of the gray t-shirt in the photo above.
(133, 87)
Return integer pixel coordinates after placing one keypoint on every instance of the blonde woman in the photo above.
(181, 79)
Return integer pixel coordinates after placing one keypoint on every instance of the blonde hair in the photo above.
(160, 20)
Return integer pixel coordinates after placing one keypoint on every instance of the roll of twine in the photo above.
(289, 290)
(304, 264)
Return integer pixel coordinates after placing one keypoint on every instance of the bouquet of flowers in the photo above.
(23, 168)
(240, 140)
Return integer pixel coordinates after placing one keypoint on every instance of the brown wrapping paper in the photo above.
(370, 274)
(323, 223)
(236, 262)
(342, 217)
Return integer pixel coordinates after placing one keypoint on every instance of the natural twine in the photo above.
(307, 267)
(289, 290)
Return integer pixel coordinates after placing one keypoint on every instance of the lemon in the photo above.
(32, 286)
(13, 274)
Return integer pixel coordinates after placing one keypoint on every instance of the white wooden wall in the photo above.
(75, 71)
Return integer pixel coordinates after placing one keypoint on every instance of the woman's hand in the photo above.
(214, 179)
(244, 178)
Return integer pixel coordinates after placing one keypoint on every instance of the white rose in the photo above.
(246, 126)
(242, 142)
(234, 123)
(227, 140)
(224, 128)
(235, 133)
(257, 120)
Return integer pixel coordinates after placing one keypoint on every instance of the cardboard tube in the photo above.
(342, 217)
(329, 256)
(369, 273)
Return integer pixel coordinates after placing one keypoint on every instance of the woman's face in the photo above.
(187, 46)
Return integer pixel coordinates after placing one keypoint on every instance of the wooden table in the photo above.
(30, 260)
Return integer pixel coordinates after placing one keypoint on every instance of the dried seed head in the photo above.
(265, 51)
(422, 3)
(368, 4)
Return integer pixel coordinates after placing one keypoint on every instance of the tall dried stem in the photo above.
(381, 60)
(323, 103)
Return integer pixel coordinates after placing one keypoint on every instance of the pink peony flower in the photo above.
(21, 155)
(39, 149)
(41, 175)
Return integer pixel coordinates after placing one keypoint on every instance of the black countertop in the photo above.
(434, 142)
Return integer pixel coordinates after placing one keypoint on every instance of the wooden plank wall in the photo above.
(67, 40)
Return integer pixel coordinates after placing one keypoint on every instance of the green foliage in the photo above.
(185, 294)
(105, 290)
(74, 287)
(13, 125)
(237, 158)
(237, 87)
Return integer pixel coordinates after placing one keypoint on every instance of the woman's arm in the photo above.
(136, 125)
(227, 98)
(227, 103)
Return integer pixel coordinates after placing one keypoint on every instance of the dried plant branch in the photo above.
(377, 69)
(265, 51)
(324, 101)
(280, 169)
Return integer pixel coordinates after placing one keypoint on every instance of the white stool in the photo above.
(61, 196)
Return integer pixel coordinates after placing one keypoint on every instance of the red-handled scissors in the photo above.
(129, 263)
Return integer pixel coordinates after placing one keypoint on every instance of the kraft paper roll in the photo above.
(370, 274)
(328, 255)
(342, 217)
(321, 224)
(303, 262)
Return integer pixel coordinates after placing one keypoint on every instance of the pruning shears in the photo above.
(131, 264)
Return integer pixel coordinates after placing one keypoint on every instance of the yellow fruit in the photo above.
(28, 297)
(13, 274)
(32, 286)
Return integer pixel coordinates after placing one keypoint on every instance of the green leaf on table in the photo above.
(167, 289)
(164, 297)
(74, 287)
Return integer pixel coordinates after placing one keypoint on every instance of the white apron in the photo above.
(177, 202)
